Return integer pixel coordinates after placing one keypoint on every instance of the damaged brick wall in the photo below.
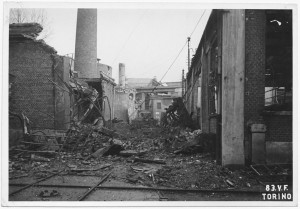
(31, 64)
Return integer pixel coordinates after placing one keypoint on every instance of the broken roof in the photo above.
(22, 29)
(19, 32)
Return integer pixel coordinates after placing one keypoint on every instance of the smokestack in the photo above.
(86, 44)
(122, 75)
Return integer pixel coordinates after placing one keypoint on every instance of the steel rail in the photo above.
(30, 185)
(94, 187)
(145, 188)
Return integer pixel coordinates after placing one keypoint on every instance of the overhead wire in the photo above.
(173, 61)
(128, 38)
(184, 45)
(197, 23)
(188, 69)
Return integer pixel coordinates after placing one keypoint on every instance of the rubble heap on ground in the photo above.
(148, 155)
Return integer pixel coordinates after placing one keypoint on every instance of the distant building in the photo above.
(153, 97)
(124, 98)
(143, 97)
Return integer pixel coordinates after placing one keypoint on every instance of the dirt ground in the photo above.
(179, 174)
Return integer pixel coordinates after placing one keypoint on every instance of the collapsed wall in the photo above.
(36, 67)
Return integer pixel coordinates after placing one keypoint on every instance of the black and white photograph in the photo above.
(170, 104)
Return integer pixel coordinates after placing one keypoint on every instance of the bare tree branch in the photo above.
(29, 16)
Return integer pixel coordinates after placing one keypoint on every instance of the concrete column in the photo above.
(86, 44)
(122, 75)
(233, 75)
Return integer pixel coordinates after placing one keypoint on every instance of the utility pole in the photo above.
(182, 83)
(189, 38)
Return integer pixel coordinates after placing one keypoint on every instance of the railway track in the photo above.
(89, 189)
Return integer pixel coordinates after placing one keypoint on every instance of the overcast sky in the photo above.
(147, 41)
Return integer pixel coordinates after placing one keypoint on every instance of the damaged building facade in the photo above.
(54, 91)
(240, 85)
(35, 69)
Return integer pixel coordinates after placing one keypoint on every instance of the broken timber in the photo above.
(149, 161)
(95, 169)
(32, 151)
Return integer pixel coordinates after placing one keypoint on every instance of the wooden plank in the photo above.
(233, 75)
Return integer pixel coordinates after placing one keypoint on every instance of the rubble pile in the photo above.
(147, 155)
(195, 142)
(203, 173)
(85, 138)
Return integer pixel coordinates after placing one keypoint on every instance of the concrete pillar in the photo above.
(86, 44)
(233, 69)
(122, 75)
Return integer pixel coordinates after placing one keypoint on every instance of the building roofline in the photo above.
(198, 51)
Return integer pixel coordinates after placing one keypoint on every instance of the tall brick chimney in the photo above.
(122, 75)
(86, 44)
